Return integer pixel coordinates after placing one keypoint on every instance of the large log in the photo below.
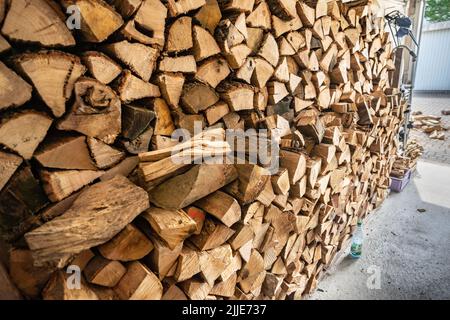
(97, 215)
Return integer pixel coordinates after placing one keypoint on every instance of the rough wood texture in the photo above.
(139, 283)
(104, 272)
(93, 12)
(101, 67)
(39, 22)
(53, 74)
(14, 91)
(57, 289)
(111, 204)
(128, 245)
(172, 226)
(198, 182)
(96, 111)
(8, 165)
(24, 132)
(60, 184)
(222, 206)
(66, 153)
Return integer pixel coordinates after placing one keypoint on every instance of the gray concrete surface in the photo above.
(407, 251)
(432, 104)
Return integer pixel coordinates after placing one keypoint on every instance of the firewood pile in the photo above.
(429, 124)
(408, 162)
(87, 179)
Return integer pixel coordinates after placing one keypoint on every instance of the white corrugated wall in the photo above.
(433, 69)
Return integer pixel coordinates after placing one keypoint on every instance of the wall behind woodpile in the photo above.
(85, 107)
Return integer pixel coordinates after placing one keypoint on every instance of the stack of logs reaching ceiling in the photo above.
(86, 174)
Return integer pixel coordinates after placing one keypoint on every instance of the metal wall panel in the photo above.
(433, 69)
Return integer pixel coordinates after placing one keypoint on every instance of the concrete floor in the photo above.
(406, 254)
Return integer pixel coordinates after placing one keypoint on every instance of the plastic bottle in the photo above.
(357, 240)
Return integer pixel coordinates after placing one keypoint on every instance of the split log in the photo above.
(21, 198)
(204, 44)
(178, 7)
(209, 15)
(162, 259)
(139, 283)
(196, 183)
(269, 50)
(188, 264)
(238, 96)
(104, 155)
(96, 111)
(174, 293)
(24, 131)
(250, 183)
(9, 163)
(171, 86)
(170, 225)
(139, 58)
(30, 280)
(148, 25)
(128, 245)
(280, 182)
(58, 288)
(135, 120)
(196, 289)
(76, 224)
(61, 184)
(260, 17)
(66, 153)
(124, 168)
(295, 163)
(132, 88)
(104, 272)
(101, 67)
(184, 64)
(140, 144)
(164, 124)
(221, 206)
(213, 71)
(198, 97)
(252, 274)
(216, 112)
(14, 91)
(213, 235)
(93, 11)
(52, 72)
(37, 22)
(180, 35)
(225, 288)
(214, 262)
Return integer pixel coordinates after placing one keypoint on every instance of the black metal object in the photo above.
(401, 26)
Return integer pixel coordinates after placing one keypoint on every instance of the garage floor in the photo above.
(406, 253)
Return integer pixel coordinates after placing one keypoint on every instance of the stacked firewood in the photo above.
(88, 180)
(429, 124)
